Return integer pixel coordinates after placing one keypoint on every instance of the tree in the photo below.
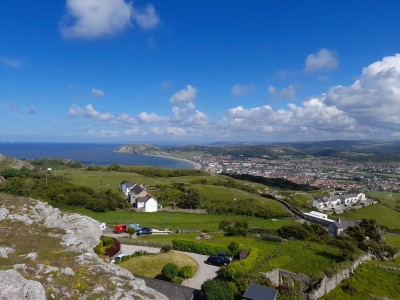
(216, 290)
(131, 231)
(189, 199)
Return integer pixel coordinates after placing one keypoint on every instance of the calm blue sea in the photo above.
(88, 154)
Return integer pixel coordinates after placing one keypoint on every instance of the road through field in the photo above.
(204, 272)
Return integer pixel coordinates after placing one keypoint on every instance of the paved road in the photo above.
(205, 271)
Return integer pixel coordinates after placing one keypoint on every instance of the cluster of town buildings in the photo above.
(326, 173)
(137, 195)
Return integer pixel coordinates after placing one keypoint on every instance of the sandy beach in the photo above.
(195, 165)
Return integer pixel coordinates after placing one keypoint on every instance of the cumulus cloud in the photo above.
(242, 89)
(373, 99)
(185, 96)
(90, 112)
(368, 108)
(287, 93)
(146, 18)
(151, 117)
(97, 92)
(323, 60)
(97, 18)
(102, 133)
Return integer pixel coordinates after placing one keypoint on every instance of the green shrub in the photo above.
(177, 280)
(270, 237)
(170, 271)
(100, 249)
(196, 247)
(108, 241)
(241, 267)
(166, 248)
(216, 290)
(186, 272)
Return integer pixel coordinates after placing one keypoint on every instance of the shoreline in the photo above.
(195, 165)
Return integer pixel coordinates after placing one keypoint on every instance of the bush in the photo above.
(216, 290)
(114, 249)
(270, 237)
(166, 248)
(242, 267)
(196, 247)
(177, 280)
(233, 248)
(170, 271)
(186, 272)
(293, 231)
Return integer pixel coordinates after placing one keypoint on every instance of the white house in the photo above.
(147, 203)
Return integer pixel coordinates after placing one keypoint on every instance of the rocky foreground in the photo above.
(46, 254)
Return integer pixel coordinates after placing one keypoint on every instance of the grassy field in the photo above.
(369, 282)
(178, 220)
(393, 239)
(152, 264)
(385, 216)
(390, 199)
(306, 257)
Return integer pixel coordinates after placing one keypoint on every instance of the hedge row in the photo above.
(241, 267)
(196, 247)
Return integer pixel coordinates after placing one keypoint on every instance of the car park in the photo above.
(217, 261)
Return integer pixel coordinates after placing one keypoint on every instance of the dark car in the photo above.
(143, 231)
(217, 261)
(225, 255)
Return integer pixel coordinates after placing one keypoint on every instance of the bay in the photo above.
(88, 154)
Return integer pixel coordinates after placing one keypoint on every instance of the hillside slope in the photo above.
(45, 254)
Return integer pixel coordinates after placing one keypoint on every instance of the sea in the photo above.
(88, 154)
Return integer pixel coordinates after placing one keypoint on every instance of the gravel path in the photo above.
(204, 272)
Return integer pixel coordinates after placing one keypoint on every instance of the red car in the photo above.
(120, 228)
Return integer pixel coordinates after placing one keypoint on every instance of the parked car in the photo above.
(217, 261)
(135, 226)
(118, 258)
(225, 255)
(143, 231)
(103, 226)
(120, 228)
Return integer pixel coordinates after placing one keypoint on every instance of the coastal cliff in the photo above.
(137, 148)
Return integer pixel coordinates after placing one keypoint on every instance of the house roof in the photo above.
(142, 199)
(137, 189)
(129, 184)
(259, 292)
(344, 224)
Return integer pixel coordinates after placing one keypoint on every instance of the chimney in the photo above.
(339, 220)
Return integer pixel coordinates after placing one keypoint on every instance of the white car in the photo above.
(118, 258)
(103, 226)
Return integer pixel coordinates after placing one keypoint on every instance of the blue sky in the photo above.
(199, 71)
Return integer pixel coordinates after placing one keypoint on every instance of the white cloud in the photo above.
(146, 18)
(185, 96)
(242, 89)
(10, 62)
(95, 18)
(287, 93)
(323, 60)
(151, 117)
(90, 112)
(131, 131)
(368, 108)
(103, 133)
(97, 92)
(373, 99)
